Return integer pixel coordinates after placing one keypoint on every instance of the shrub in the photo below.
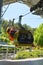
(27, 54)
(38, 36)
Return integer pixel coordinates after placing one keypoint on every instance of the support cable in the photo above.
(22, 15)
(5, 11)
(26, 14)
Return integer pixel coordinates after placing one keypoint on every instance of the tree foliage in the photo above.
(27, 27)
(38, 36)
(26, 54)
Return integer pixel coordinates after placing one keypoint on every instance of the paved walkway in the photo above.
(30, 61)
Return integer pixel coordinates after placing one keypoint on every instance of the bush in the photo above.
(38, 36)
(27, 54)
(22, 55)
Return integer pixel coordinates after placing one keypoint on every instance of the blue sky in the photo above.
(17, 9)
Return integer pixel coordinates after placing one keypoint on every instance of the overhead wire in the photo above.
(25, 15)
(5, 11)
(22, 15)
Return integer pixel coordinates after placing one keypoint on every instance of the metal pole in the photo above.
(19, 23)
(13, 22)
(20, 18)
(14, 53)
(1, 2)
(7, 52)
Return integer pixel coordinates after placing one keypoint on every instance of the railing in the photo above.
(7, 51)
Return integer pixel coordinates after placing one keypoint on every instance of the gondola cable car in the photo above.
(24, 36)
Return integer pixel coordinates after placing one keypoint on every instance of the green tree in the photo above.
(27, 27)
(38, 36)
(5, 24)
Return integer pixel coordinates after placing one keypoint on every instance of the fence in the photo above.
(7, 51)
